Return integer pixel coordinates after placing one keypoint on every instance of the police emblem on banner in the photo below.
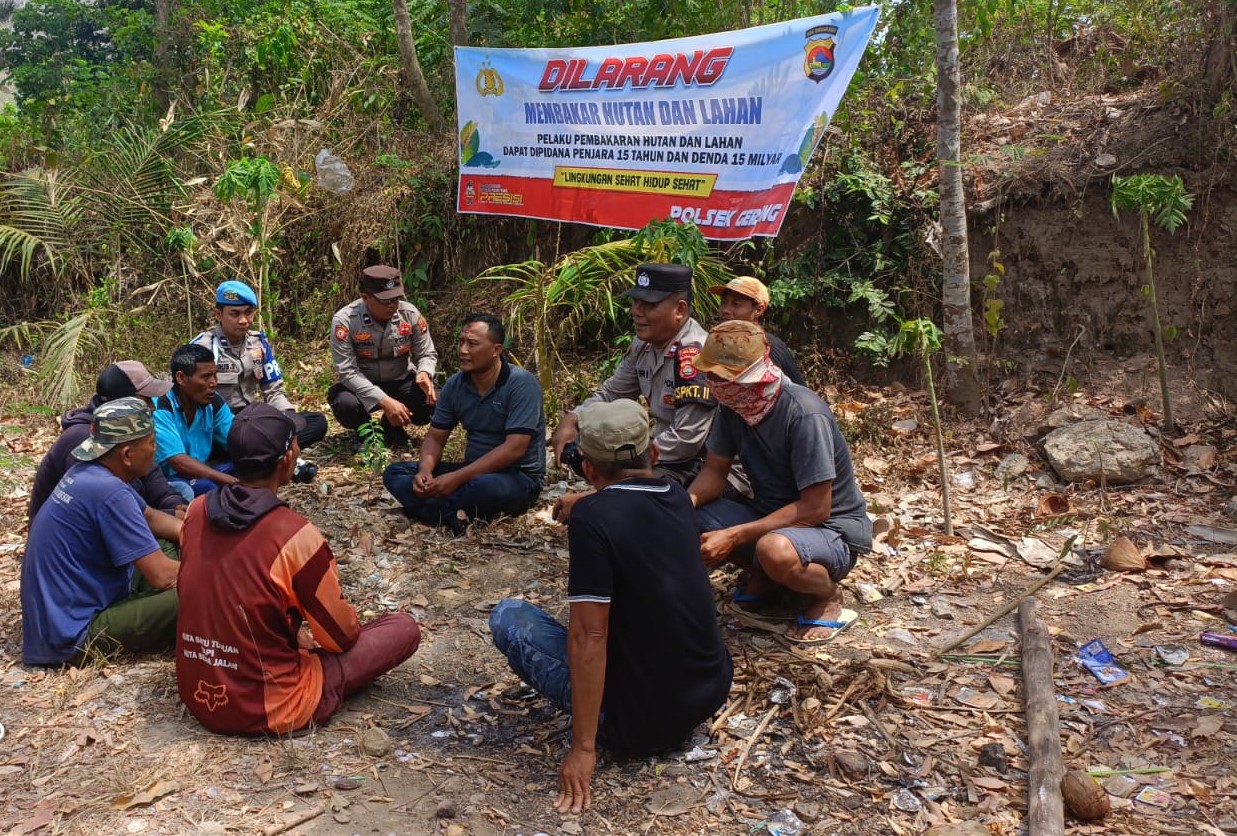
(489, 82)
(818, 60)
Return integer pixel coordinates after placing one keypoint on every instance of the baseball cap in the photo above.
(732, 348)
(128, 378)
(613, 431)
(748, 286)
(655, 282)
(113, 423)
(382, 282)
(235, 293)
(260, 436)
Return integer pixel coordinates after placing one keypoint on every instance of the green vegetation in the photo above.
(158, 147)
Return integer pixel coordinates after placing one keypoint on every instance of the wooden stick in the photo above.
(1003, 611)
(297, 821)
(747, 747)
(1045, 807)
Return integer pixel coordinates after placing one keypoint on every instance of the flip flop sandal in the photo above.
(847, 618)
(741, 597)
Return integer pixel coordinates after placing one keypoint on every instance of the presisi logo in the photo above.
(489, 82)
(211, 696)
(700, 69)
(818, 60)
(643, 279)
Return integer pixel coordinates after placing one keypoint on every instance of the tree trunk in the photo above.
(413, 77)
(163, 42)
(961, 359)
(1218, 62)
(457, 11)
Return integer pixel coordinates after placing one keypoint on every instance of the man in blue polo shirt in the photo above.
(500, 406)
(191, 421)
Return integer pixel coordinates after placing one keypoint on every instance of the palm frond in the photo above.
(61, 352)
(38, 213)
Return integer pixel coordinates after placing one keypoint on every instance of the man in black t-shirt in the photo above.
(641, 662)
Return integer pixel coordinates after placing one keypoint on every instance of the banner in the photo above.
(714, 129)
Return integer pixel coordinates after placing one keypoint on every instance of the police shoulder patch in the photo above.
(341, 332)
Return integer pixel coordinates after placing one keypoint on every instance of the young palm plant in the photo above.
(581, 291)
(1164, 199)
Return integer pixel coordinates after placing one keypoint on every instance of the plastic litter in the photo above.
(906, 801)
(333, 173)
(1172, 654)
(1228, 642)
(784, 823)
(1096, 658)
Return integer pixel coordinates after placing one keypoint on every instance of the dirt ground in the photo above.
(873, 734)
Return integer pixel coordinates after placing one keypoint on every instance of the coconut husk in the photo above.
(1123, 556)
(1085, 799)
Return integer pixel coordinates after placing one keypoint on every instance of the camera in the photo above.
(573, 458)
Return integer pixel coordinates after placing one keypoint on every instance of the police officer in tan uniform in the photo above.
(660, 368)
(247, 371)
(384, 357)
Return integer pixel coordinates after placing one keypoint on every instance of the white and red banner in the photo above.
(714, 129)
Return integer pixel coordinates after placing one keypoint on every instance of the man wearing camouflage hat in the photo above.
(745, 299)
(266, 643)
(642, 661)
(384, 357)
(79, 592)
(128, 378)
(246, 370)
(660, 368)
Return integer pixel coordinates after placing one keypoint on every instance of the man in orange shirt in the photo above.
(266, 643)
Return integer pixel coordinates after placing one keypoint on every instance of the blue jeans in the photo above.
(536, 648)
(189, 488)
(487, 496)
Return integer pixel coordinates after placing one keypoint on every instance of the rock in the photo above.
(853, 802)
(1098, 451)
(992, 755)
(906, 426)
(1072, 414)
(209, 828)
(852, 764)
(376, 743)
(807, 810)
(445, 810)
(901, 634)
(1012, 467)
(1230, 509)
(941, 608)
(1085, 799)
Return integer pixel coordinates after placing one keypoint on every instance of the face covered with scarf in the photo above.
(741, 375)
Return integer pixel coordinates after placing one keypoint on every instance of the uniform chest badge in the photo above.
(405, 328)
(363, 336)
(341, 333)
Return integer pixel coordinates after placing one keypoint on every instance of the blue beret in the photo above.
(235, 293)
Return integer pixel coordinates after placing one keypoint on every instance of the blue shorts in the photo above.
(818, 544)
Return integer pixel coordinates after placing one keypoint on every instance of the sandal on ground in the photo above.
(847, 618)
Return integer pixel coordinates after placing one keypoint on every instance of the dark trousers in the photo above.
(310, 428)
(351, 413)
(510, 491)
(384, 643)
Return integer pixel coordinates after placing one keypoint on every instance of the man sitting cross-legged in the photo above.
(500, 406)
(808, 521)
(79, 593)
(192, 423)
(266, 643)
(641, 662)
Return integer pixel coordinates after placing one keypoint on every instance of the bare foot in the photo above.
(820, 609)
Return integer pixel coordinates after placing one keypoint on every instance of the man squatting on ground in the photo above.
(125, 379)
(808, 522)
(642, 661)
(501, 408)
(191, 425)
(266, 643)
(79, 593)
(246, 369)
(384, 357)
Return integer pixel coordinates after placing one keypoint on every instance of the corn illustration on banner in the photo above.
(713, 129)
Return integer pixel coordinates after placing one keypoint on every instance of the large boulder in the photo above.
(1105, 450)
